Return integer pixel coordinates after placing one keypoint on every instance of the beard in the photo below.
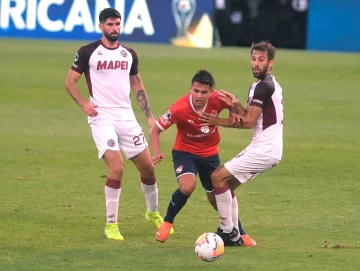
(258, 74)
(111, 38)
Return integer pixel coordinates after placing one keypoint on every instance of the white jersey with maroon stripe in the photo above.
(107, 73)
(268, 130)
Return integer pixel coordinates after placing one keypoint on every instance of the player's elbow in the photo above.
(155, 131)
(68, 84)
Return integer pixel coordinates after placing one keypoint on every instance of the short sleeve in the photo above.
(263, 91)
(81, 61)
(135, 64)
(168, 118)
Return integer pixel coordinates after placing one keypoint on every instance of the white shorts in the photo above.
(248, 164)
(123, 135)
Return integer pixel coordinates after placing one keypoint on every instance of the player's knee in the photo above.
(116, 169)
(215, 178)
(187, 188)
(148, 171)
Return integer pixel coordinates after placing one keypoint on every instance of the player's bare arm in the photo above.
(138, 87)
(155, 133)
(72, 89)
(247, 122)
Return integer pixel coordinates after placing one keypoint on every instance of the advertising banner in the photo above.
(334, 25)
(181, 22)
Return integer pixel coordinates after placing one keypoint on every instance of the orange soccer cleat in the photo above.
(248, 241)
(163, 231)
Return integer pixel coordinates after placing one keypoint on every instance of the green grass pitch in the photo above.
(52, 207)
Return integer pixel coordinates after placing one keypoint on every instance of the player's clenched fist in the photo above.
(156, 159)
(89, 109)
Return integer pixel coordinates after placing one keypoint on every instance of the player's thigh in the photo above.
(105, 136)
(132, 140)
(221, 177)
(184, 164)
(206, 166)
(248, 164)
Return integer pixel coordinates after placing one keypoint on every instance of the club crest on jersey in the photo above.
(123, 53)
(111, 142)
(205, 129)
(76, 57)
(179, 169)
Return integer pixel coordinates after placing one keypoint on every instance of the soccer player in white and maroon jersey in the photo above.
(111, 69)
(264, 115)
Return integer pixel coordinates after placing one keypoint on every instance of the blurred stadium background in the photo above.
(304, 215)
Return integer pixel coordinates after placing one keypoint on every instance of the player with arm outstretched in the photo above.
(195, 151)
(111, 69)
(264, 115)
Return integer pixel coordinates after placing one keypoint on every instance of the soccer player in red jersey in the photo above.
(196, 147)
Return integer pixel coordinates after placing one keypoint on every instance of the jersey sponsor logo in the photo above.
(111, 143)
(208, 133)
(112, 65)
(179, 169)
(257, 101)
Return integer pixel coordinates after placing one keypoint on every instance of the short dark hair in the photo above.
(264, 46)
(108, 13)
(204, 77)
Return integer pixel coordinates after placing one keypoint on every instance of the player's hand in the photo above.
(209, 119)
(151, 122)
(235, 117)
(89, 109)
(156, 159)
(227, 98)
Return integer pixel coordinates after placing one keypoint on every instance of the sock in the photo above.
(234, 211)
(112, 196)
(149, 187)
(224, 207)
(235, 215)
(178, 200)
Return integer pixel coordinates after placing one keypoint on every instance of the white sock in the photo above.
(224, 207)
(112, 204)
(235, 213)
(151, 196)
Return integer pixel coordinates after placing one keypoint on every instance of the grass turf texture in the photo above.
(52, 205)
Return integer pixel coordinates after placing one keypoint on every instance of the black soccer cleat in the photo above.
(229, 238)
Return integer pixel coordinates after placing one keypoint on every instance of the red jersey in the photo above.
(191, 137)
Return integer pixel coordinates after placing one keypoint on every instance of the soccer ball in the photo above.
(209, 247)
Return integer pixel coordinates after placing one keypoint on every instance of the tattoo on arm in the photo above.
(137, 77)
(143, 102)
